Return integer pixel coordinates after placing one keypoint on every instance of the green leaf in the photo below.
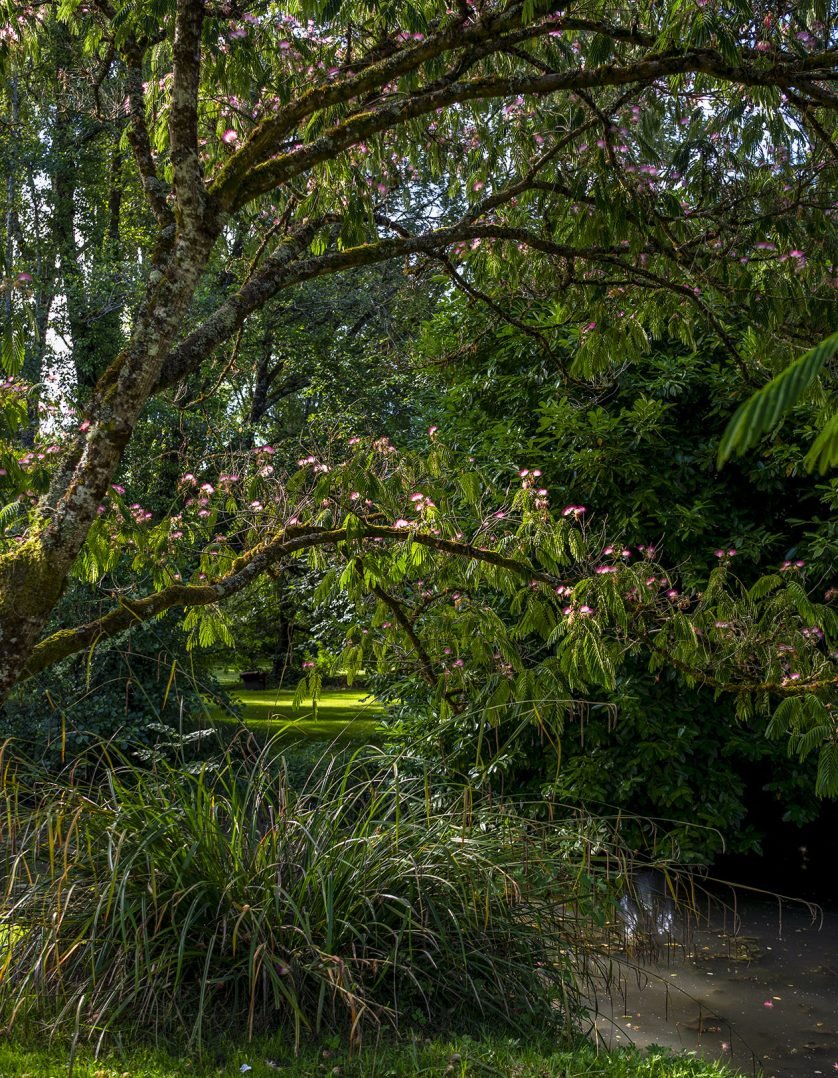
(761, 412)
(824, 452)
(12, 349)
(469, 483)
(9, 513)
(826, 784)
(788, 716)
(764, 586)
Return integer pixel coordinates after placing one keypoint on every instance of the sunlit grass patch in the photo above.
(339, 713)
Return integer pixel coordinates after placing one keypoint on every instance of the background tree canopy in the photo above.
(436, 316)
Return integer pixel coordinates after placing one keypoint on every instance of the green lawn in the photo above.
(460, 1057)
(345, 714)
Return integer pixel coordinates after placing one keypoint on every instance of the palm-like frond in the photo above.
(761, 412)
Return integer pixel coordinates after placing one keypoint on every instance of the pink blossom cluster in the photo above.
(797, 256)
(140, 515)
(572, 612)
(313, 463)
(35, 457)
(12, 385)
(529, 481)
(421, 502)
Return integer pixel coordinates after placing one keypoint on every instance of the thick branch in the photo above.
(481, 38)
(183, 125)
(245, 571)
(281, 271)
(251, 566)
(393, 113)
(227, 319)
(806, 111)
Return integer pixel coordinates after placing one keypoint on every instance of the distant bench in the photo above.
(254, 679)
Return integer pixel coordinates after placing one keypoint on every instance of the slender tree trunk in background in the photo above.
(268, 388)
(93, 314)
(173, 454)
(10, 222)
(44, 261)
(115, 197)
(66, 147)
(95, 335)
(11, 208)
(262, 383)
(35, 349)
(104, 331)
(283, 667)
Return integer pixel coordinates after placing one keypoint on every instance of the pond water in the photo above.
(753, 982)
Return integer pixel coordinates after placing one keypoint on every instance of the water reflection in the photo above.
(647, 908)
(750, 981)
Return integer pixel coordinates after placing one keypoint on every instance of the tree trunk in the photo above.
(32, 576)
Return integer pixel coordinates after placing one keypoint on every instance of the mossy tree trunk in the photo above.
(33, 575)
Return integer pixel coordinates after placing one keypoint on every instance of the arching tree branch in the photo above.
(244, 572)
(284, 268)
(231, 190)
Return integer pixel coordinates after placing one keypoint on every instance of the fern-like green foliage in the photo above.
(824, 452)
(9, 513)
(207, 626)
(761, 412)
(827, 781)
(809, 726)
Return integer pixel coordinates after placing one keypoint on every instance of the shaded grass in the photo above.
(463, 1057)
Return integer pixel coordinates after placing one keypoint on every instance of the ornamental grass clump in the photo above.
(175, 903)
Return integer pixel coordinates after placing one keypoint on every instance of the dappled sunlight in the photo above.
(338, 713)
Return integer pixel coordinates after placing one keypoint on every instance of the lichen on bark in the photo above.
(29, 589)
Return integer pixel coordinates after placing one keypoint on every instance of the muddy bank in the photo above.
(756, 987)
